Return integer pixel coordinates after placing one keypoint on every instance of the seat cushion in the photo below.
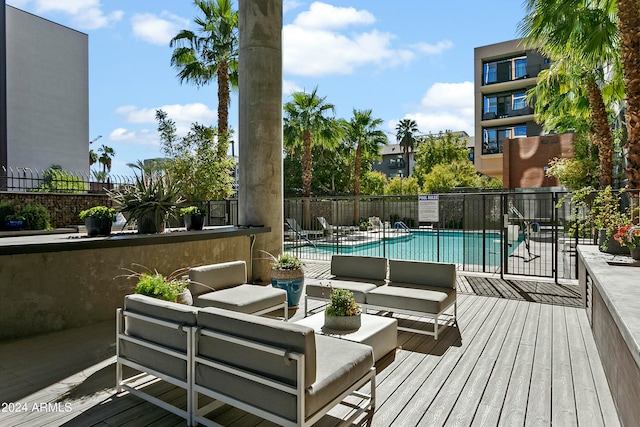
(340, 363)
(405, 296)
(243, 298)
(317, 288)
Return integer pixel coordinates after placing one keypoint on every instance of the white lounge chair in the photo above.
(295, 230)
(329, 229)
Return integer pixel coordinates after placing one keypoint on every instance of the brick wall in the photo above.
(63, 208)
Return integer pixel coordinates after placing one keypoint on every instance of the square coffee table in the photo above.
(381, 333)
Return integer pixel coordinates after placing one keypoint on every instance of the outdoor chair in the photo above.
(296, 231)
(330, 229)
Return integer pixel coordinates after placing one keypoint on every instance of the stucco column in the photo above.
(260, 195)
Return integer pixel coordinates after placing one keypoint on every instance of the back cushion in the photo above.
(423, 273)
(217, 276)
(362, 267)
(289, 336)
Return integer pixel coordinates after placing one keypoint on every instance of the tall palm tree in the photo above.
(93, 157)
(406, 131)
(107, 153)
(210, 53)
(582, 36)
(362, 132)
(628, 26)
(309, 120)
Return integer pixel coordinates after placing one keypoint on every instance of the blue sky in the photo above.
(402, 59)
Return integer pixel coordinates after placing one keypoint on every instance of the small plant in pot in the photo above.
(193, 217)
(98, 220)
(14, 222)
(287, 274)
(174, 287)
(342, 313)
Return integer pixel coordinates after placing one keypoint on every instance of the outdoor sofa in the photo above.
(282, 372)
(418, 288)
(224, 285)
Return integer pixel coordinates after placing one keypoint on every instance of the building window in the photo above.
(504, 70)
(492, 138)
(519, 101)
(520, 67)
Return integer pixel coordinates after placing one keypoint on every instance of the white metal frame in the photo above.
(367, 403)
(437, 326)
(124, 383)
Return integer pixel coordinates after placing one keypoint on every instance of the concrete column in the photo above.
(260, 195)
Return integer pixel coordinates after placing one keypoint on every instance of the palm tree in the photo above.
(362, 133)
(93, 157)
(308, 122)
(628, 25)
(105, 157)
(210, 53)
(582, 36)
(406, 129)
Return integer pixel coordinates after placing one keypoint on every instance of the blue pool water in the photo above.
(424, 245)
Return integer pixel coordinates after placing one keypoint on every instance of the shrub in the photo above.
(6, 209)
(287, 261)
(193, 210)
(99, 212)
(342, 303)
(157, 286)
(36, 217)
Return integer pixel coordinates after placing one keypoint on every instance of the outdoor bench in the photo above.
(419, 288)
(280, 371)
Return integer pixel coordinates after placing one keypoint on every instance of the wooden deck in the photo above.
(523, 356)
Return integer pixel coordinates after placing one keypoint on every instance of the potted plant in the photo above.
(193, 217)
(98, 220)
(287, 274)
(149, 200)
(342, 313)
(629, 237)
(14, 222)
(6, 209)
(174, 287)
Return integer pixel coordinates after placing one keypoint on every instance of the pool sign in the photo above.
(428, 208)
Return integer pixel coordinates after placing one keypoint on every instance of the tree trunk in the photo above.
(306, 163)
(223, 107)
(629, 26)
(356, 185)
(602, 130)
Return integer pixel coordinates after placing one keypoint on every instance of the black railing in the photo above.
(512, 233)
(56, 181)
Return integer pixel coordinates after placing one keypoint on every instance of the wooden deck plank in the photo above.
(539, 404)
(586, 397)
(400, 390)
(464, 408)
(563, 404)
(605, 400)
(515, 403)
(438, 411)
(429, 383)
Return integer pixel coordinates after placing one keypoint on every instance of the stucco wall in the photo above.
(49, 291)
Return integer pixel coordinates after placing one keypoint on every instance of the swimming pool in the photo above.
(460, 247)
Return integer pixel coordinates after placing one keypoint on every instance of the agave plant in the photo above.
(150, 199)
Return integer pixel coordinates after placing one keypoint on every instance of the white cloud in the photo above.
(313, 46)
(157, 29)
(87, 14)
(434, 49)
(289, 87)
(325, 16)
(288, 5)
(445, 106)
(182, 115)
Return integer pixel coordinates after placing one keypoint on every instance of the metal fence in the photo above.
(514, 233)
(56, 181)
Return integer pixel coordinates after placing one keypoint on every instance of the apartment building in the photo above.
(503, 72)
(44, 94)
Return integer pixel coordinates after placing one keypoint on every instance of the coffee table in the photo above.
(381, 333)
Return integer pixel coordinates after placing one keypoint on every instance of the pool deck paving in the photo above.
(521, 353)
